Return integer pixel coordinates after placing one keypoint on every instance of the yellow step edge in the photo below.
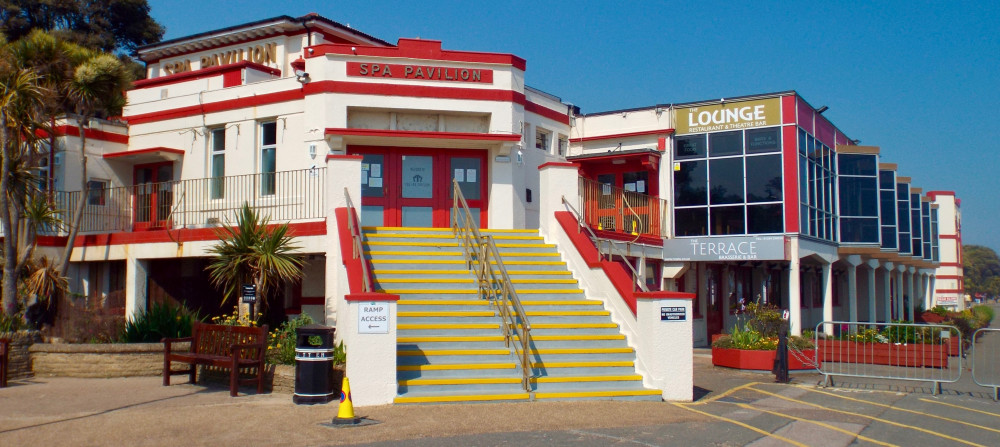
(522, 262)
(566, 313)
(377, 272)
(526, 245)
(446, 313)
(543, 281)
(500, 230)
(447, 366)
(516, 238)
(468, 398)
(544, 291)
(483, 381)
(422, 261)
(412, 244)
(539, 272)
(437, 352)
(450, 326)
(409, 236)
(584, 394)
(627, 363)
(426, 280)
(560, 303)
(444, 303)
(405, 228)
(572, 326)
(430, 291)
(447, 339)
(581, 351)
(624, 378)
(526, 254)
(576, 337)
(412, 253)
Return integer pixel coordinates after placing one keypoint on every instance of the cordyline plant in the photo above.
(252, 252)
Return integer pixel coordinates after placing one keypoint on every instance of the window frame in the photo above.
(267, 180)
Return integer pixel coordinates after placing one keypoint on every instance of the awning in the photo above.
(415, 138)
(148, 155)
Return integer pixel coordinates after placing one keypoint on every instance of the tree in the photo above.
(251, 252)
(981, 270)
(114, 26)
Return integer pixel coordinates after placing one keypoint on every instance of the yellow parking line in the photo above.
(723, 394)
(884, 421)
(746, 426)
(821, 424)
(921, 413)
(959, 406)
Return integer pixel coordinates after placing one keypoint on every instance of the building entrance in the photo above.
(412, 187)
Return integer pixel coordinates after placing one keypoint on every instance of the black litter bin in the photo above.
(314, 380)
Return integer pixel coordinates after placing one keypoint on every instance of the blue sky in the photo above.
(919, 79)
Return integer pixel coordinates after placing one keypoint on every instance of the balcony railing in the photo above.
(617, 211)
(196, 203)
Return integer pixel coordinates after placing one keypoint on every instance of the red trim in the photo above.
(622, 135)
(423, 134)
(949, 276)
(583, 245)
(642, 238)
(425, 72)
(788, 109)
(960, 291)
(344, 157)
(790, 158)
(418, 49)
(418, 91)
(352, 264)
(951, 264)
(312, 301)
(949, 236)
(203, 73)
(317, 228)
(745, 359)
(220, 106)
(371, 296)
(546, 112)
(934, 194)
(232, 79)
(558, 164)
(151, 150)
(93, 134)
(660, 294)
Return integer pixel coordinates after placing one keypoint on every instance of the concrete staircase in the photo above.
(450, 347)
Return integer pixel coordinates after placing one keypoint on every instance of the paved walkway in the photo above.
(139, 411)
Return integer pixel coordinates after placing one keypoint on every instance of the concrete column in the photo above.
(371, 352)
(556, 181)
(900, 291)
(828, 297)
(872, 312)
(665, 347)
(342, 171)
(912, 286)
(136, 286)
(794, 292)
(853, 261)
(887, 282)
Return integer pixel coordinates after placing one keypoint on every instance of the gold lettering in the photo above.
(206, 61)
(227, 57)
(258, 54)
(270, 51)
(167, 69)
(215, 59)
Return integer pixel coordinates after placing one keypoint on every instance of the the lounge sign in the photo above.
(728, 116)
(419, 72)
(725, 248)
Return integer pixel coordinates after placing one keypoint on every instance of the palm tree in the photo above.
(251, 252)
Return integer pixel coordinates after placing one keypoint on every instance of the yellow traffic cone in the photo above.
(345, 415)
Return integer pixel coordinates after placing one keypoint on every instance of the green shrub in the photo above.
(759, 330)
(160, 321)
(940, 311)
(281, 341)
(983, 314)
(11, 323)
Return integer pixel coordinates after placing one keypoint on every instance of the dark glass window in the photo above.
(859, 230)
(803, 180)
(690, 184)
(372, 164)
(856, 164)
(889, 237)
(636, 181)
(886, 180)
(763, 140)
(858, 196)
(726, 180)
(692, 146)
(903, 215)
(902, 191)
(727, 220)
(903, 241)
(917, 247)
(803, 137)
(763, 178)
(764, 219)
(691, 221)
(888, 204)
(725, 143)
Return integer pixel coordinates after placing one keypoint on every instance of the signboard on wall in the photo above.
(946, 299)
(728, 116)
(373, 318)
(725, 248)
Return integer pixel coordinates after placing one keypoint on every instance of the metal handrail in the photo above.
(480, 253)
(593, 237)
(355, 229)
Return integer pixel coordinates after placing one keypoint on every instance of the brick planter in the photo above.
(19, 359)
(97, 359)
(756, 360)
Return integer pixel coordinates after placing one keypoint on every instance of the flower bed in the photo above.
(757, 360)
(891, 354)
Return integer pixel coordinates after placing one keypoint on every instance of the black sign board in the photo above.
(249, 293)
(673, 314)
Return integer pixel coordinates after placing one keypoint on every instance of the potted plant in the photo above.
(753, 342)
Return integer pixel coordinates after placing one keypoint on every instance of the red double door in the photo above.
(152, 187)
(408, 187)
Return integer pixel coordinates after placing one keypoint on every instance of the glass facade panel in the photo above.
(691, 222)
(764, 219)
(465, 170)
(763, 140)
(727, 220)
(725, 143)
(690, 184)
(268, 157)
(372, 216)
(856, 164)
(859, 230)
(372, 169)
(418, 177)
(858, 197)
(763, 178)
(690, 146)
(726, 180)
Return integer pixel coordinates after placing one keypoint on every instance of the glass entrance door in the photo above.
(153, 192)
(413, 187)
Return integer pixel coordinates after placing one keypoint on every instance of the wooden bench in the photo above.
(4, 354)
(232, 347)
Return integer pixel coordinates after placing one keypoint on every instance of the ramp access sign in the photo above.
(673, 314)
(373, 318)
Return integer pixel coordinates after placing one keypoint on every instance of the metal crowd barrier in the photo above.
(985, 354)
(896, 351)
